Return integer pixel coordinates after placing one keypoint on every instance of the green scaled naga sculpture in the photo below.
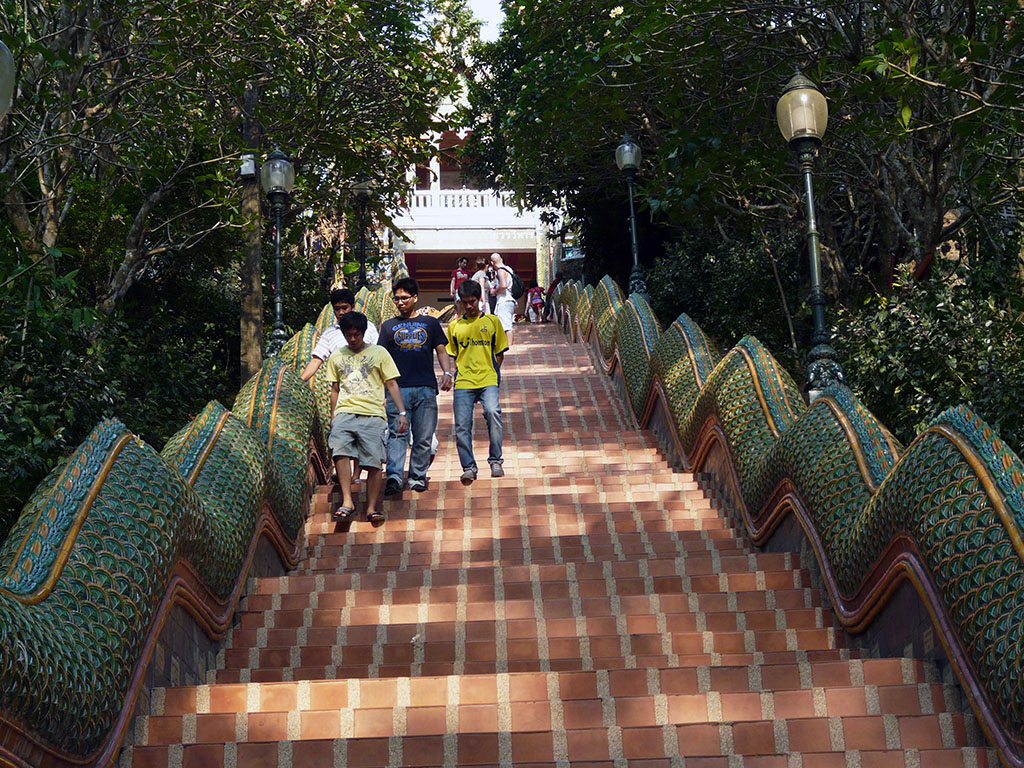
(945, 513)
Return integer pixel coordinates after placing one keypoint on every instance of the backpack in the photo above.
(517, 289)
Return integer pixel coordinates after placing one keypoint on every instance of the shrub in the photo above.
(934, 344)
(729, 288)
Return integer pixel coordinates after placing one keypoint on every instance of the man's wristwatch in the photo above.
(401, 413)
(446, 374)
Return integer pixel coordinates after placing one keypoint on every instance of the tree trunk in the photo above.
(251, 325)
(135, 250)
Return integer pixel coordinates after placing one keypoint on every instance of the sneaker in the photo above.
(468, 476)
(497, 470)
(392, 487)
(417, 485)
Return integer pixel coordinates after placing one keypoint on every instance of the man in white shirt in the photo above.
(343, 301)
(505, 308)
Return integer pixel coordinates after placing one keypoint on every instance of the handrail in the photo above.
(945, 513)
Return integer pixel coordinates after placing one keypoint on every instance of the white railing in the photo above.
(463, 198)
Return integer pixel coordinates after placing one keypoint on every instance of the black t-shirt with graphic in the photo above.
(411, 343)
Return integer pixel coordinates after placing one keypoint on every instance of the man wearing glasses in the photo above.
(413, 340)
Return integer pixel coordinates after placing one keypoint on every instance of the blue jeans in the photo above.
(421, 409)
(464, 401)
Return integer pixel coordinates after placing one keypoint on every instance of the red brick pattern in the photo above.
(590, 608)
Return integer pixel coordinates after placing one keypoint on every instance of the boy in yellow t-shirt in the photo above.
(359, 373)
(478, 344)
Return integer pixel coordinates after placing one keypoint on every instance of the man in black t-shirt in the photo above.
(413, 340)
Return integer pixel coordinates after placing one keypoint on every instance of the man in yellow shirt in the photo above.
(478, 344)
(359, 374)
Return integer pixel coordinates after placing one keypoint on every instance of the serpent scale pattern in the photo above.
(637, 330)
(280, 409)
(362, 296)
(604, 307)
(682, 360)
(67, 650)
(87, 565)
(229, 474)
(952, 501)
(325, 319)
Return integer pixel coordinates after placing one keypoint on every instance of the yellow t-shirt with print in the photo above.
(473, 344)
(361, 376)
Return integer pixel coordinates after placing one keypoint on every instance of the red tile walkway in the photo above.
(591, 608)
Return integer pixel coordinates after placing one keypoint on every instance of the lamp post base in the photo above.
(823, 371)
(637, 284)
(278, 338)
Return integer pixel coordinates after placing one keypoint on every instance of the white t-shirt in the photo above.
(333, 339)
(478, 276)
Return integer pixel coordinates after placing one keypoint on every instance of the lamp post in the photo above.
(6, 79)
(277, 177)
(627, 157)
(802, 114)
(362, 188)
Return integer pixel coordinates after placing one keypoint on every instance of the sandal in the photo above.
(375, 517)
(344, 514)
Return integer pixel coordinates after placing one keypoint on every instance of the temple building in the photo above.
(449, 216)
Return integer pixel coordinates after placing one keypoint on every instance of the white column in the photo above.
(435, 175)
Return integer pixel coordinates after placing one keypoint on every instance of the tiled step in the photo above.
(743, 714)
(689, 542)
(450, 556)
(362, 668)
(474, 749)
(894, 685)
(618, 649)
(589, 729)
(809, 717)
(719, 589)
(317, 626)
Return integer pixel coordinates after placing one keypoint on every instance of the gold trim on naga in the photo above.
(69, 539)
(207, 448)
(993, 492)
(757, 387)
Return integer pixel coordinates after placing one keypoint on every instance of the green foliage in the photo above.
(924, 135)
(171, 348)
(938, 343)
(729, 288)
(120, 229)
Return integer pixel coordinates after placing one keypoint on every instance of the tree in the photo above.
(923, 138)
(150, 95)
(119, 230)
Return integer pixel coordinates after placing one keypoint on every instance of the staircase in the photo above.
(590, 608)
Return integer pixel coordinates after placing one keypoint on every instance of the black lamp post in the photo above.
(277, 177)
(6, 79)
(363, 190)
(627, 157)
(802, 114)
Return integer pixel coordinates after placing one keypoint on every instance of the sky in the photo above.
(489, 12)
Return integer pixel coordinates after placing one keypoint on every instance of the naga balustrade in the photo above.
(944, 513)
(119, 535)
